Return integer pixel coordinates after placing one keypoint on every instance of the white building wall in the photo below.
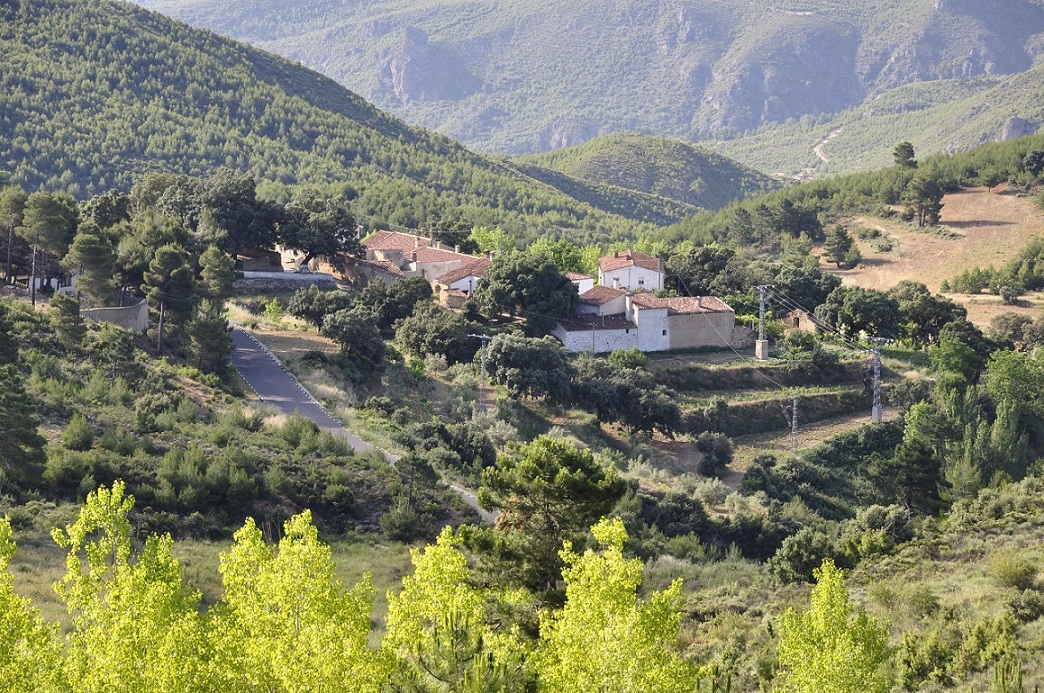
(600, 341)
(632, 278)
(614, 307)
(430, 270)
(467, 284)
(583, 285)
(654, 332)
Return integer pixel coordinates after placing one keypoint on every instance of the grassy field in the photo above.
(978, 228)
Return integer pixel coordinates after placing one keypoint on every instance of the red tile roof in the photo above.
(629, 258)
(576, 276)
(588, 321)
(380, 265)
(436, 255)
(393, 240)
(685, 305)
(648, 300)
(476, 268)
(600, 295)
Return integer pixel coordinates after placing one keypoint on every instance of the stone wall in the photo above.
(260, 282)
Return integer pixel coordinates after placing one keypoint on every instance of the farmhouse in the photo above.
(391, 255)
(629, 269)
(456, 286)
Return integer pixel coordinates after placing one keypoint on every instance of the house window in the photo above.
(627, 331)
(641, 282)
(665, 333)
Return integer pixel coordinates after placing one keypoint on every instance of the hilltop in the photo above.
(520, 76)
(658, 166)
(98, 92)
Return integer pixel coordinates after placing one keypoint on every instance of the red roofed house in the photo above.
(629, 269)
(609, 319)
(391, 255)
(454, 287)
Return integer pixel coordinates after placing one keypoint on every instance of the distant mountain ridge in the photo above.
(98, 92)
(523, 76)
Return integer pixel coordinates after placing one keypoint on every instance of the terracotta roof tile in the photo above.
(588, 321)
(648, 300)
(600, 295)
(436, 255)
(393, 240)
(576, 276)
(629, 258)
(477, 268)
(381, 265)
(685, 305)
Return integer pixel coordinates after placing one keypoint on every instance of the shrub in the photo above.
(78, 434)
(1012, 569)
(800, 554)
(717, 449)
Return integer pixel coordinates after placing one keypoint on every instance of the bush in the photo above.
(800, 554)
(78, 434)
(1012, 569)
(717, 450)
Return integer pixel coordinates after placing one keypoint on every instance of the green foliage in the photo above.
(432, 331)
(530, 367)
(548, 492)
(68, 325)
(21, 445)
(313, 304)
(838, 246)
(93, 257)
(528, 285)
(354, 329)
(716, 450)
(78, 434)
(1011, 569)
(217, 275)
(628, 358)
(604, 638)
(825, 649)
(209, 339)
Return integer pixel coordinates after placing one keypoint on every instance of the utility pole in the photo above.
(482, 387)
(761, 346)
(875, 412)
(791, 415)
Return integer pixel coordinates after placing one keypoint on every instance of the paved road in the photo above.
(275, 386)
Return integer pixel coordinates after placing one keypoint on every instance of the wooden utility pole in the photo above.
(482, 385)
(159, 338)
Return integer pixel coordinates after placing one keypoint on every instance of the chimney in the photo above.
(416, 242)
(699, 301)
(456, 249)
(616, 282)
(616, 254)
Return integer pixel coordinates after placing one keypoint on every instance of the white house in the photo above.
(583, 282)
(609, 319)
(456, 286)
(628, 269)
(391, 255)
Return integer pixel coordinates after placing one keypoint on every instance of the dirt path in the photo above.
(818, 149)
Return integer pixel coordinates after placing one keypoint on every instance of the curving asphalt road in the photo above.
(275, 386)
(266, 376)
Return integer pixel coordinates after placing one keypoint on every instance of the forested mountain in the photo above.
(94, 93)
(658, 166)
(520, 76)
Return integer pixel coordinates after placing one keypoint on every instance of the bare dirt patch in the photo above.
(291, 345)
(977, 229)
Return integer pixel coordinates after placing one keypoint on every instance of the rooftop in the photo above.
(687, 305)
(648, 300)
(393, 240)
(476, 268)
(629, 258)
(576, 276)
(601, 295)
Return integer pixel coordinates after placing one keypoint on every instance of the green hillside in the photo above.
(658, 166)
(95, 93)
(518, 76)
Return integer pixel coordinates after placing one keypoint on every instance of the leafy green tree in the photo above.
(694, 271)
(48, 224)
(69, 327)
(431, 331)
(853, 309)
(808, 287)
(628, 358)
(217, 275)
(924, 197)
(530, 367)
(12, 208)
(32, 654)
(313, 304)
(563, 253)
(826, 649)
(924, 315)
(93, 257)
(548, 492)
(393, 302)
(21, 445)
(136, 626)
(210, 339)
(288, 622)
(354, 329)
(992, 177)
(604, 638)
(170, 283)
(237, 218)
(437, 629)
(319, 226)
(838, 245)
(106, 210)
(519, 283)
(1034, 162)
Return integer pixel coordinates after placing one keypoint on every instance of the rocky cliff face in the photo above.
(420, 71)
